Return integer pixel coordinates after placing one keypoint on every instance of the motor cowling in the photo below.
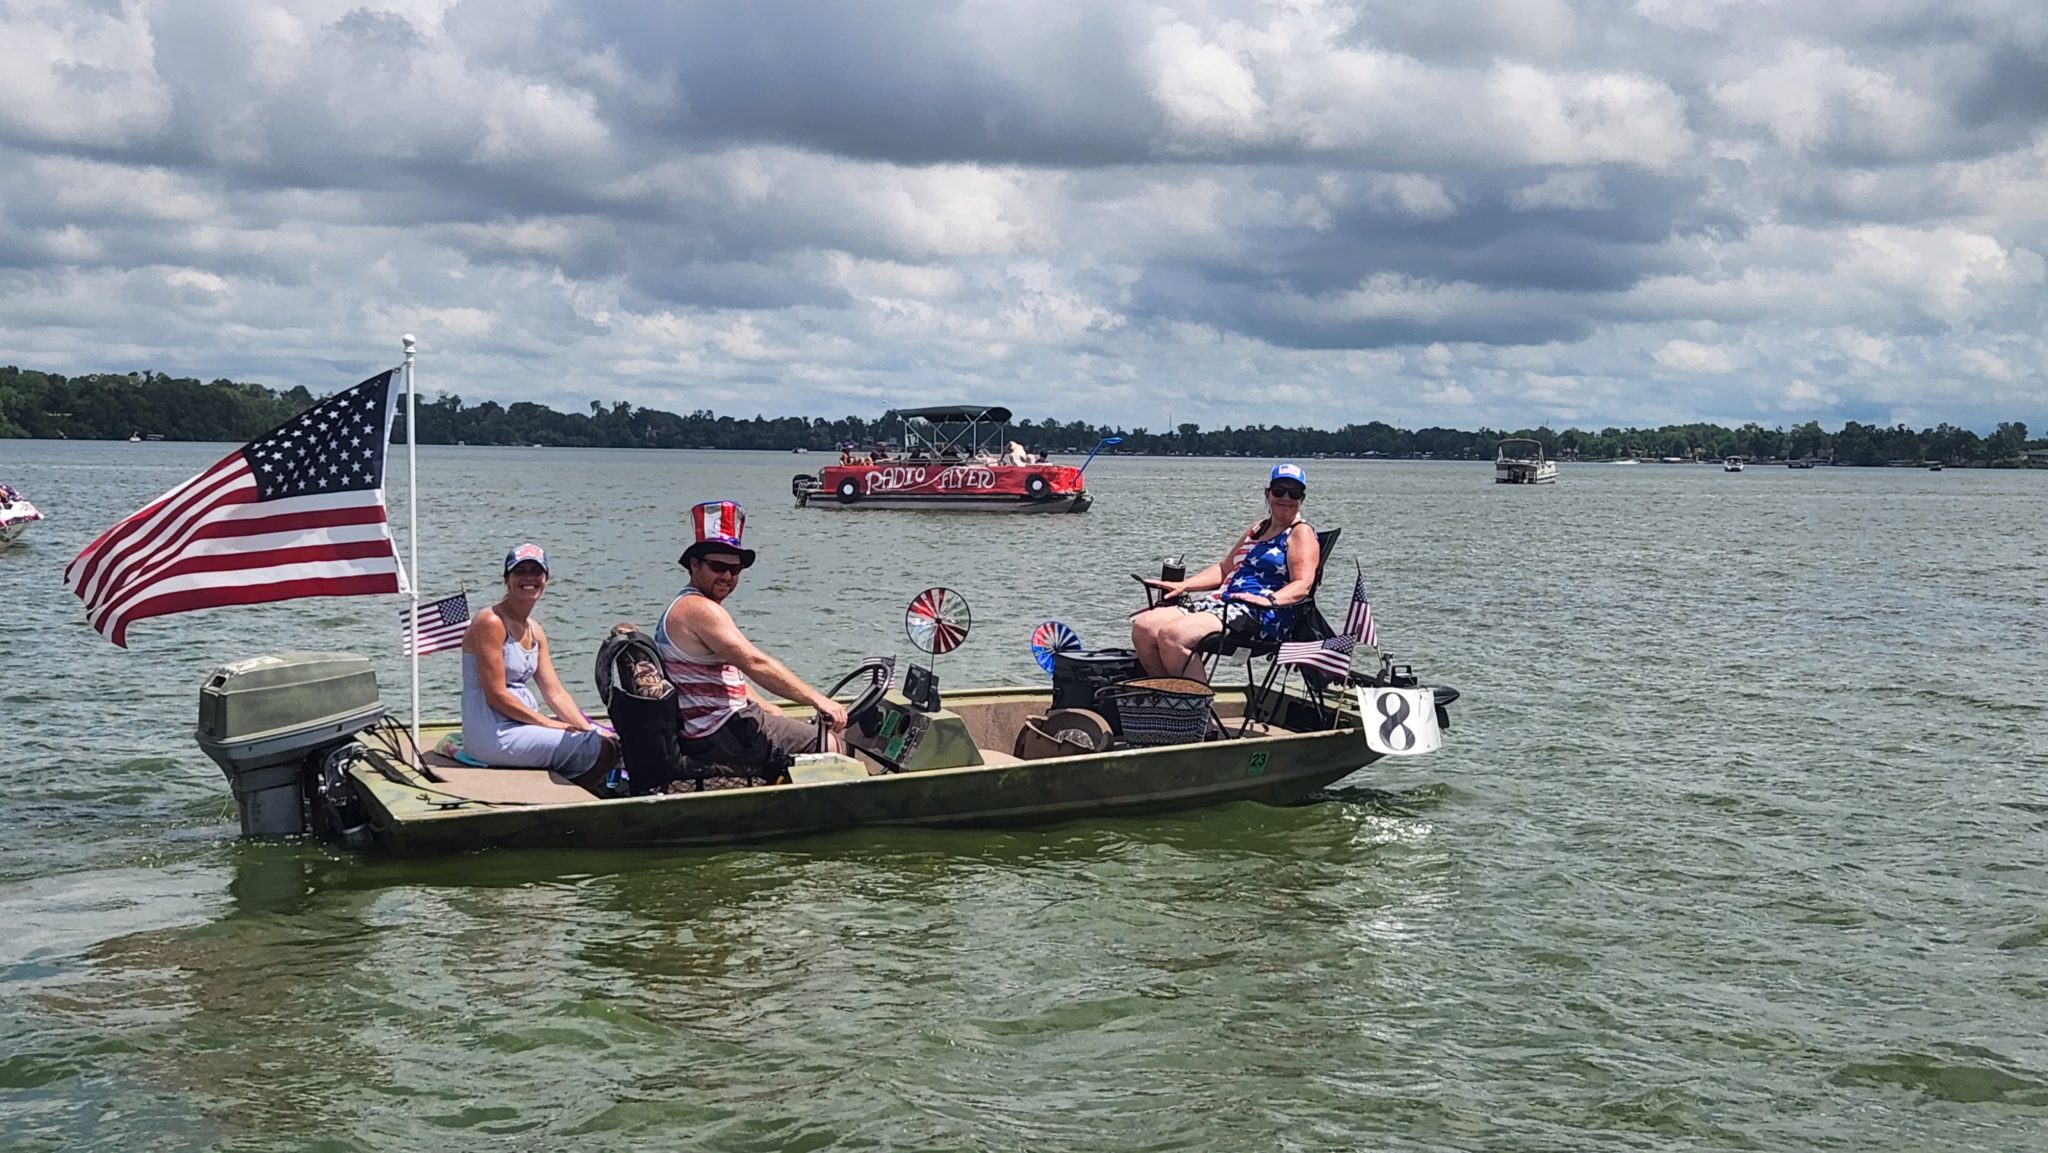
(265, 719)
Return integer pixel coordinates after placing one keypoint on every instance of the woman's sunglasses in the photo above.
(722, 567)
(1287, 491)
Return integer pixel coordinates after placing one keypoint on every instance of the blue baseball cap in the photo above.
(1288, 471)
(526, 552)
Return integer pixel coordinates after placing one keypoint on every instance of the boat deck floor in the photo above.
(541, 787)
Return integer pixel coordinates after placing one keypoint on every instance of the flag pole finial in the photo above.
(410, 341)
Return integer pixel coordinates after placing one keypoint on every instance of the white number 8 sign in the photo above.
(1399, 722)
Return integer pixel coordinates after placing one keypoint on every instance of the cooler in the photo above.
(1077, 675)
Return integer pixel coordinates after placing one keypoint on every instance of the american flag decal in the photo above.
(1331, 655)
(441, 624)
(1358, 619)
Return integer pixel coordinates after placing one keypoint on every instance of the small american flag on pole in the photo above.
(441, 624)
(1331, 655)
(297, 512)
(1358, 621)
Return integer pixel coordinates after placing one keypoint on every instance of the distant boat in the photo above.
(1625, 460)
(1521, 461)
(134, 438)
(954, 458)
(154, 436)
(1803, 463)
(16, 514)
(1732, 464)
(1934, 467)
(799, 449)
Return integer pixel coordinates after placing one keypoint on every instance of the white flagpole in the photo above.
(412, 522)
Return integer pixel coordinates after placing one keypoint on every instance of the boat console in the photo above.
(902, 737)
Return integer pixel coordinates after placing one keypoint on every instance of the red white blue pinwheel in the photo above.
(938, 620)
(1049, 638)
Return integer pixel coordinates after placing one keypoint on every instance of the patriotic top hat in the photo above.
(720, 524)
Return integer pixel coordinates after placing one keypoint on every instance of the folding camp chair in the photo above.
(1309, 625)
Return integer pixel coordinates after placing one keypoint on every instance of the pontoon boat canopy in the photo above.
(954, 412)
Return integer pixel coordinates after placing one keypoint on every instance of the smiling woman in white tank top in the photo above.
(508, 674)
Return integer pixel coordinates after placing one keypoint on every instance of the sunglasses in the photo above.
(1288, 491)
(722, 567)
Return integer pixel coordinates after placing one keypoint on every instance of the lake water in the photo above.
(1738, 843)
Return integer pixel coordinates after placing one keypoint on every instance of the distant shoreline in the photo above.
(148, 406)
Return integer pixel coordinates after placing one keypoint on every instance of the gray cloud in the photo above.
(1497, 211)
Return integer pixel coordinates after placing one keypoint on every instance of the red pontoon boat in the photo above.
(952, 457)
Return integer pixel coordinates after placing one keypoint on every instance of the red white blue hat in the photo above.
(1289, 471)
(720, 525)
(526, 552)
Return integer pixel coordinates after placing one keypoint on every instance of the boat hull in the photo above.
(15, 519)
(412, 816)
(1517, 473)
(965, 486)
(934, 502)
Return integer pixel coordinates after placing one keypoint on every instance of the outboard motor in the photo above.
(271, 722)
(642, 705)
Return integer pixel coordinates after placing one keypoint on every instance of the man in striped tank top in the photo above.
(710, 662)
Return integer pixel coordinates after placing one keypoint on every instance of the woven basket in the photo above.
(1161, 710)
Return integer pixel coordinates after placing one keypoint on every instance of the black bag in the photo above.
(647, 725)
(1078, 674)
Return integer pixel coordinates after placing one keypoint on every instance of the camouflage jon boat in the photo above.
(986, 758)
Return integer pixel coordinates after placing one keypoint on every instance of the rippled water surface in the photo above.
(1738, 843)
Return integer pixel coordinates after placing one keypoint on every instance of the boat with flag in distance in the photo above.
(16, 514)
(951, 457)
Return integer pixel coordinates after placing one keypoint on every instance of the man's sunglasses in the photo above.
(1291, 492)
(722, 567)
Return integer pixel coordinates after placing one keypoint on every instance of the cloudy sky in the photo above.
(1494, 212)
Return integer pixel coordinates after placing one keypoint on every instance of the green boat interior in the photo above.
(975, 729)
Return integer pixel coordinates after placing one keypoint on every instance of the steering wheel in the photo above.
(866, 708)
(881, 674)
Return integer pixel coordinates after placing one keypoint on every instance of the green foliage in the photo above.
(110, 406)
(115, 406)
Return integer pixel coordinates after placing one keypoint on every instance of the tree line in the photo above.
(116, 406)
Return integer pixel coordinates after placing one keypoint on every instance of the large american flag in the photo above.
(441, 624)
(1331, 654)
(298, 512)
(1358, 621)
